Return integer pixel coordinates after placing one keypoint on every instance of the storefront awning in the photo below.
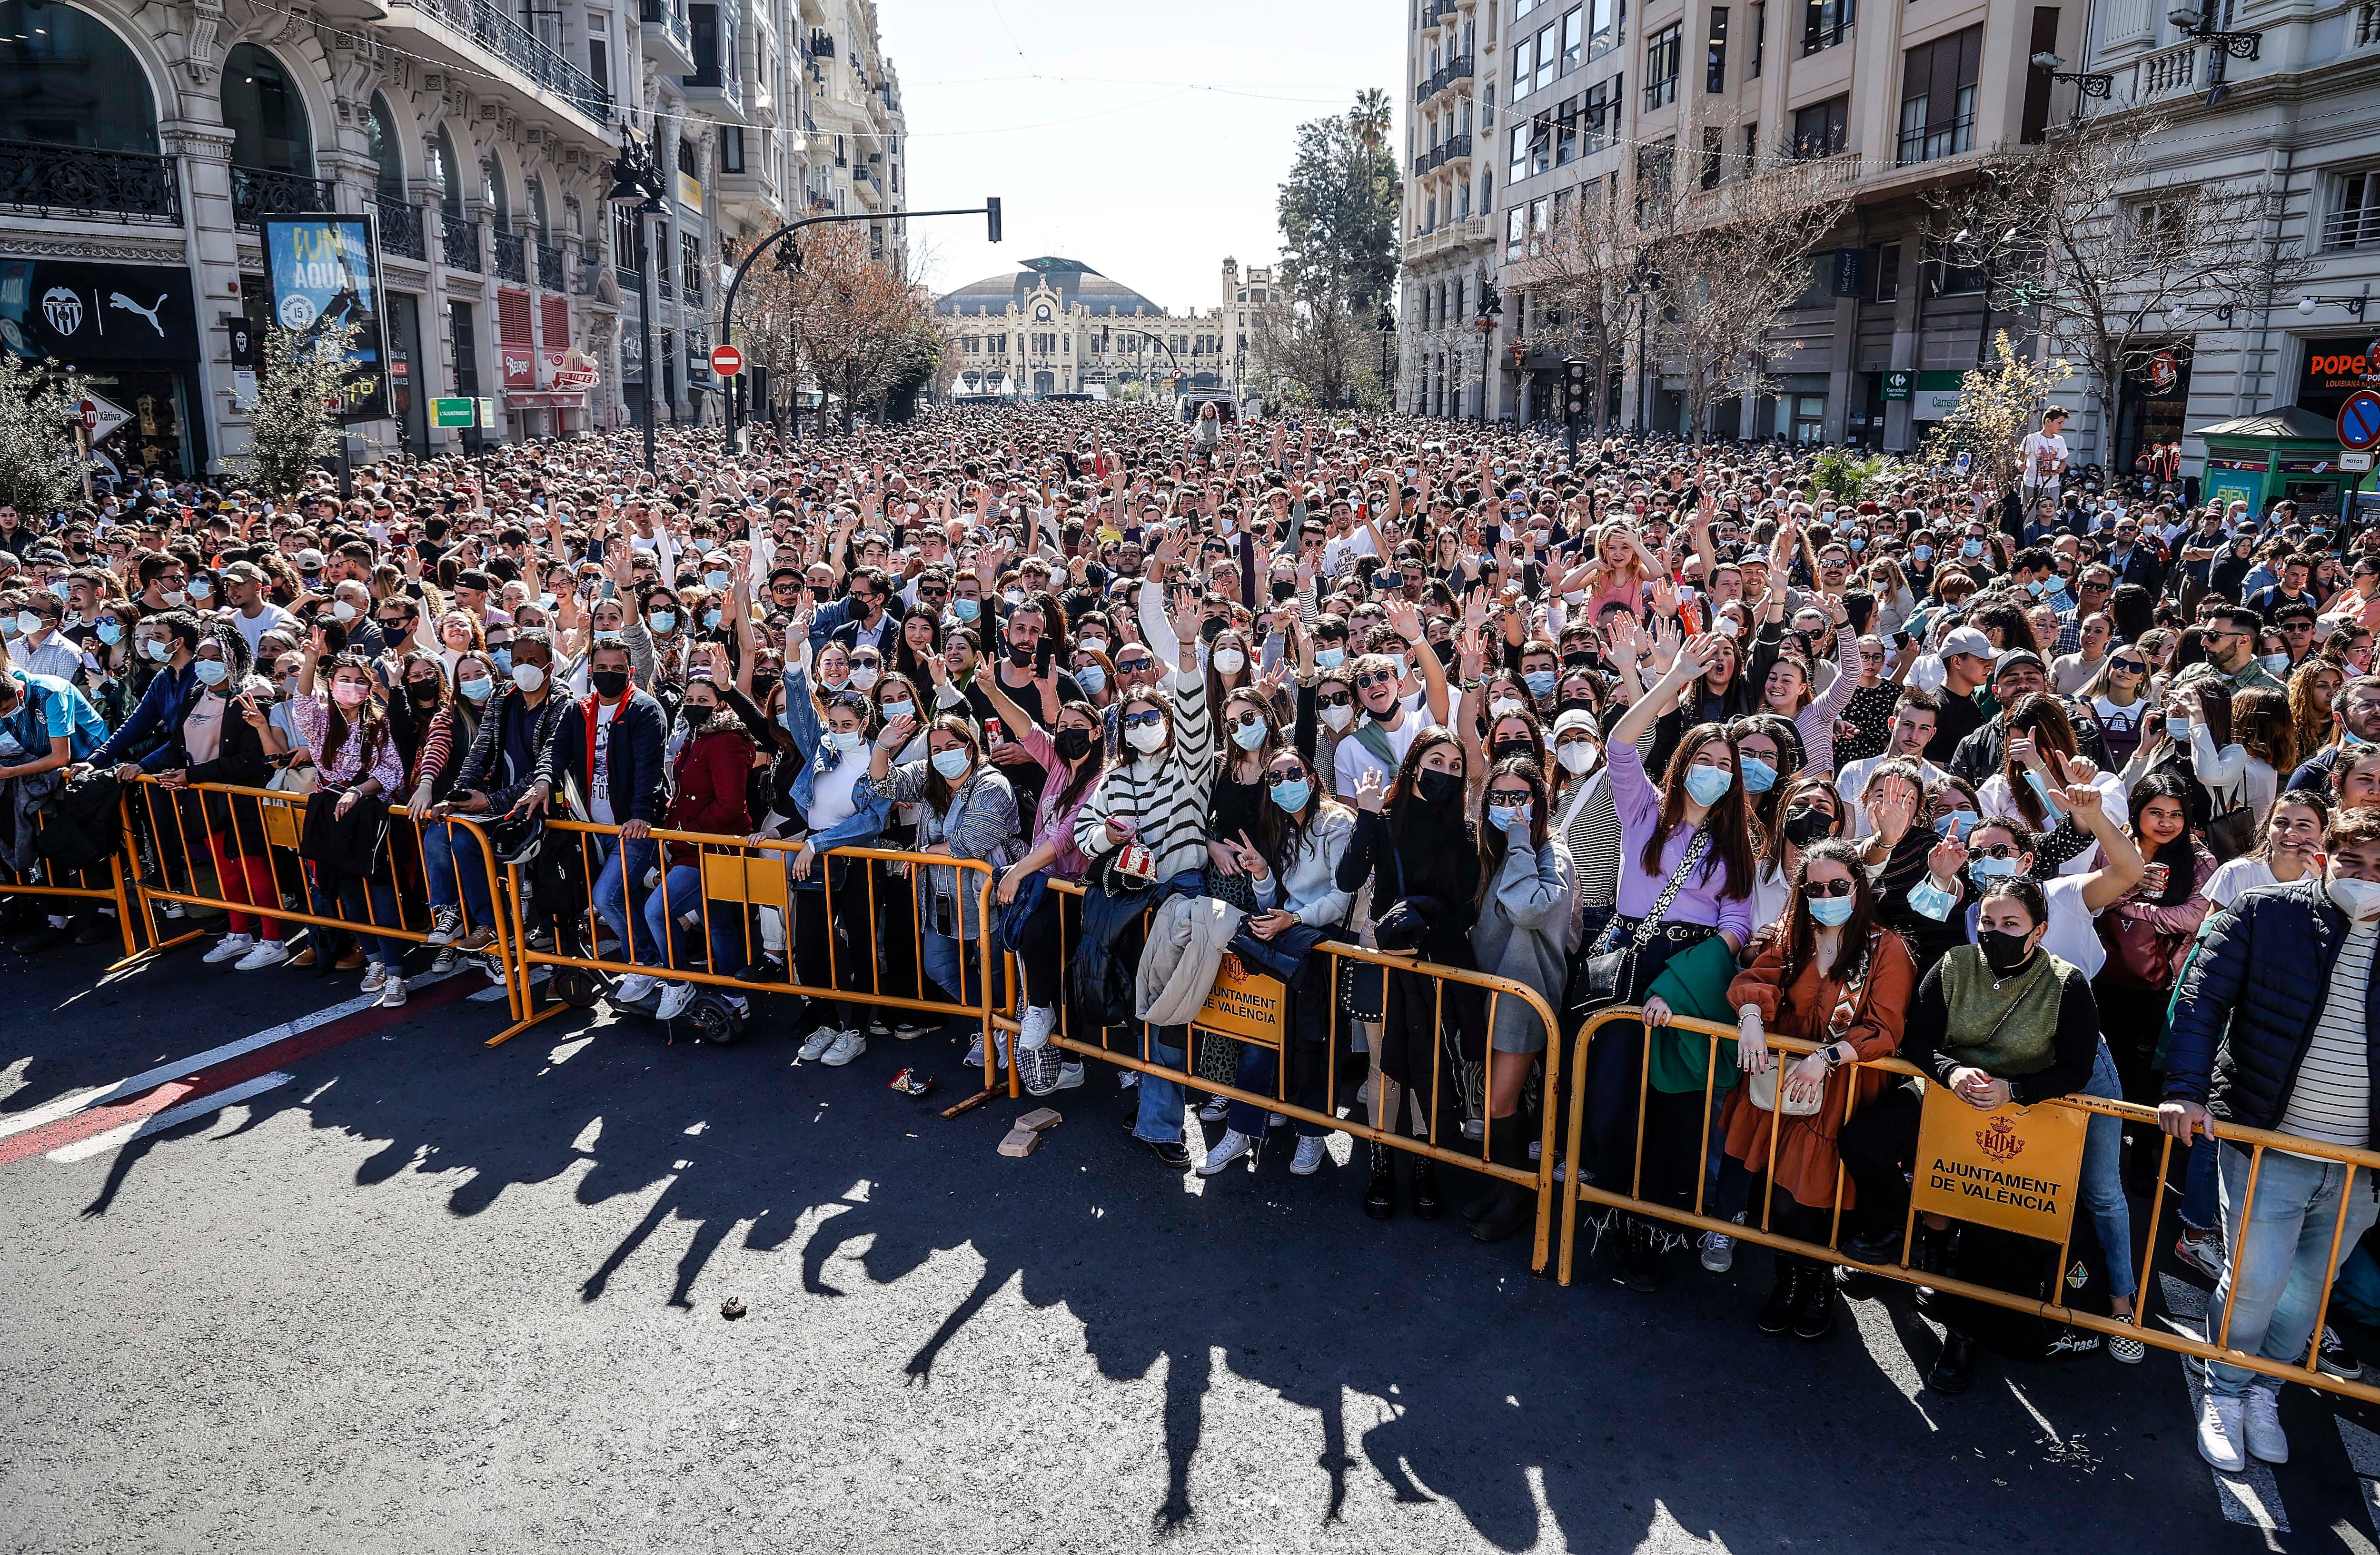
(545, 399)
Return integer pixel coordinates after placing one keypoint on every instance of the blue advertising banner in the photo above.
(325, 273)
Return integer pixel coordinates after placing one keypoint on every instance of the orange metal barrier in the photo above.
(1537, 1177)
(45, 881)
(740, 876)
(1572, 1192)
(189, 848)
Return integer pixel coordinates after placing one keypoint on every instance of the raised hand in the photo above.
(1371, 790)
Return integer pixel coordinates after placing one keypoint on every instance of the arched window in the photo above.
(491, 190)
(267, 118)
(537, 209)
(66, 80)
(381, 144)
(447, 170)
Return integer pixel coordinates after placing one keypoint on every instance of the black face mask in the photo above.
(1445, 651)
(1805, 824)
(696, 715)
(820, 592)
(2005, 951)
(1021, 655)
(1438, 788)
(1073, 744)
(423, 692)
(762, 685)
(609, 684)
(1212, 628)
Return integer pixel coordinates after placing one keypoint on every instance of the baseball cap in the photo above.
(1968, 639)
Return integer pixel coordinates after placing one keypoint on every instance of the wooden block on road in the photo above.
(1020, 1142)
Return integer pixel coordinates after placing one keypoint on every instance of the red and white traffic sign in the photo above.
(726, 360)
(101, 416)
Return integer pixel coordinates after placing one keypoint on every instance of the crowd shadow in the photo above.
(1587, 1414)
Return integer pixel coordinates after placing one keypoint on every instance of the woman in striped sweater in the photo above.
(1787, 692)
(1158, 796)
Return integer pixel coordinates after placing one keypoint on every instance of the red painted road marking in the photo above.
(248, 1065)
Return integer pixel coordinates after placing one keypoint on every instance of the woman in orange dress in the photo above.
(1831, 973)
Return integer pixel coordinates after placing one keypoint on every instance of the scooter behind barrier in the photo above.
(708, 1017)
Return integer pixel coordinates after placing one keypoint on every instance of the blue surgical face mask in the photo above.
(503, 659)
(2178, 727)
(1092, 678)
(715, 579)
(952, 763)
(1330, 658)
(1832, 911)
(1972, 548)
(1708, 785)
(2278, 664)
(1540, 683)
(967, 610)
(846, 740)
(110, 633)
(211, 672)
(158, 650)
(1991, 869)
(607, 638)
(662, 621)
(1291, 797)
(1858, 543)
(27, 623)
(547, 601)
(1964, 821)
(1933, 901)
(1921, 552)
(1501, 817)
(59, 589)
(478, 690)
(2056, 585)
(711, 619)
(2036, 588)
(1759, 776)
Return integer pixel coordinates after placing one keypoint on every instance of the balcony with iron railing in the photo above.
(1440, 10)
(1454, 148)
(665, 26)
(458, 242)
(496, 32)
(1456, 69)
(401, 232)
(511, 256)
(259, 192)
(549, 266)
(86, 181)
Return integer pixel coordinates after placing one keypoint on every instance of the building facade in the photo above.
(141, 146)
(1523, 106)
(1056, 326)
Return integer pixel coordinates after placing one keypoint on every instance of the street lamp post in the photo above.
(635, 179)
(1387, 327)
(1491, 308)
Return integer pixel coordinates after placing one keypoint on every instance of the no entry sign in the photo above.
(726, 360)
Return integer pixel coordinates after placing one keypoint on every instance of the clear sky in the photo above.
(1146, 141)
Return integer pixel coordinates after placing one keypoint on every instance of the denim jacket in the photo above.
(981, 823)
(801, 721)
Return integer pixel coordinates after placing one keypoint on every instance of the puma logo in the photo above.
(118, 300)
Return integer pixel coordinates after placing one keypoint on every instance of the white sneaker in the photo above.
(233, 947)
(1070, 1075)
(974, 1051)
(1035, 1028)
(676, 997)
(391, 994)
(1719, 1249)
(375, 977)
(634, 988)
(1229, 1148)
(819, 1041)
(1308, 1160)
(2267, 1440)
(445, 924)
(847, 1046)
(1127, 1079)
(2220, 1433)
(267, 953)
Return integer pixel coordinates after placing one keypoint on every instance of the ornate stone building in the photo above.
(1056, 326)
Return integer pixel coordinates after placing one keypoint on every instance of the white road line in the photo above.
(2363, 1451)
(2252, 1497)
(173, 1117)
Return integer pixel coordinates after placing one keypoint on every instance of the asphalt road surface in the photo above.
(353, 1281)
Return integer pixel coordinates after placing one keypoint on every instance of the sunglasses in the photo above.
(1508, 796)
(2130, 666)
(1274, 780)
(1827, 887)
(1248, 720)
(1134, 666)
(1142, 719)
(1336, 700)
(1375, 677)
(1997, 850)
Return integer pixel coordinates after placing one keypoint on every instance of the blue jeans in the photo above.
(619, 889)
(1160, 1121)
(2103, 1180)
(943, 956)
(2198, 1181)
(2284, 1258)
(458, 874)
(681, 897)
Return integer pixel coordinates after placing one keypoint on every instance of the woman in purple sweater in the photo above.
(1691, 827)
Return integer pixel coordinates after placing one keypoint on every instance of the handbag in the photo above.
(2232, 833)
(1761, 1089)
(1364, 985)
(1608, 977)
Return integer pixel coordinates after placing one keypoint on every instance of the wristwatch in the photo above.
(1833, 1060)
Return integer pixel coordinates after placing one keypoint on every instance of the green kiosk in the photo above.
(2290, 452)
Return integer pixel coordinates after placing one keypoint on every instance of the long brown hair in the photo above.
(938, 790)
(1801, 929)
(1727, 822)
(1803, 785)
(2041, 715)
(2261, 722)
(372, 718)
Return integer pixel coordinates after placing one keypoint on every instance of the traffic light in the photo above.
(1575, 388)
(991, 216)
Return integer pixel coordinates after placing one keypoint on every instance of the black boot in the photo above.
(1777, 1312)
(1507, 1145)
(1514, 1211)
(1640, 1257)
(1427, 1206)
(1813, 1304)
(1380, 1198)
(1955, 1369)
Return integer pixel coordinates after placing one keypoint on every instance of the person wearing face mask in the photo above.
(221, 743)
(35, 644)
(1414, 845)
(1074, 755)
(167, 644)
(606, 759)
(2005, 1020)
(46, 725)
(1834, 974)
(2355, 721)
(707, 796)
(455, 870)
(2272, 1029)
(355, 756)
(965, 810)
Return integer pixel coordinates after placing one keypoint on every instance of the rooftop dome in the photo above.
(1074, 281)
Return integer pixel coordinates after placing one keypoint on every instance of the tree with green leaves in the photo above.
(290, 432)
(40, 461)
(1338, 214)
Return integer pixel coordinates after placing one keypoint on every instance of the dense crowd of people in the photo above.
(2059, 794)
